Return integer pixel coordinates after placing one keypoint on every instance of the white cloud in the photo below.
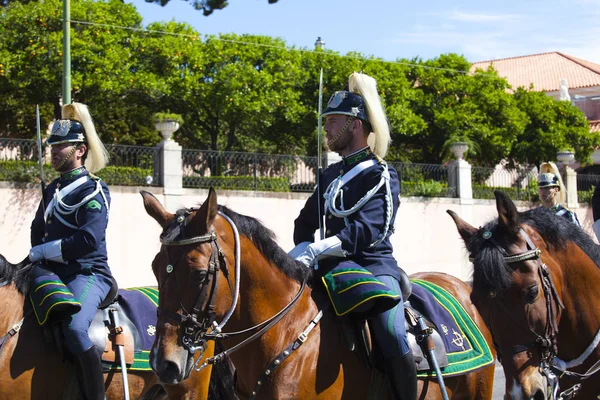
(482, 17)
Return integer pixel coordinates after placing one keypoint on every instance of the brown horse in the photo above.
(217, 267)
(535, 283)
(30, 368)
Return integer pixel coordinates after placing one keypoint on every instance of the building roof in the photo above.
(594, 126)
(545, 71)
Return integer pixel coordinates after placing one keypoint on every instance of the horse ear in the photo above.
(466, 230)
(205, 216)
(155, 209)
(508, 216)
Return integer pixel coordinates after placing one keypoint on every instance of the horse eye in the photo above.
(198, 275)
(532, 294)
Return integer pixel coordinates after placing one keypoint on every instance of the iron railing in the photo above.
(586, 184)
(128, 165)
(248, 171)
(518, 184)
(425, 180)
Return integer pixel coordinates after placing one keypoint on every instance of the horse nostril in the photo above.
(169, 372)
(539, 395)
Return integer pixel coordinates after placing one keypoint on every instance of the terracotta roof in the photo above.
(594, 126)
(545, 71)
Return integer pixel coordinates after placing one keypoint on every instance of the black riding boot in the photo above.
(89, 371)
(402, 377)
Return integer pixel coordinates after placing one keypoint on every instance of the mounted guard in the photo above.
(359, 205)
(553, 193)
(72, 278)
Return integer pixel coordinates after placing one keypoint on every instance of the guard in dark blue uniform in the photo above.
(552, 192)
(360, 201)
(68, 235)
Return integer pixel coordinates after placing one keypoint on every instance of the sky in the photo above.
(390, 29)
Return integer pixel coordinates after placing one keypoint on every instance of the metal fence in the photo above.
(585, 187)
(425, 180)
(128, 165)
(519, 183)
(248, 171)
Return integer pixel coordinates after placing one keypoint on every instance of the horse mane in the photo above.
(11, 273)
(264, 240)
(491, 273)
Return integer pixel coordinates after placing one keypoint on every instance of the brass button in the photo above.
(328, 231)
(330, 216)
(46, 234)
(49, 221)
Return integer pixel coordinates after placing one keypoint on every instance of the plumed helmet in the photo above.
(346, 103)
(362, 101)
(76, 126)
(66, 131)
(548, 179)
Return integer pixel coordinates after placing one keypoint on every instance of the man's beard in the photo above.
(342, 138)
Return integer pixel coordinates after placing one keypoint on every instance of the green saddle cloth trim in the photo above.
(349, 288)
(49, 295)
(461, 362)
(141, 362)
(150, 292)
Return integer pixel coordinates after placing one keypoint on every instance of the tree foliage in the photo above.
(206, 6)
(254, 94)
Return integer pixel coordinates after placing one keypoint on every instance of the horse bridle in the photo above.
(197, 331)
(548, 342)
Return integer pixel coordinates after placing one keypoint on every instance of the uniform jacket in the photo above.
(85, 246)
(566, 213)
(364, 226)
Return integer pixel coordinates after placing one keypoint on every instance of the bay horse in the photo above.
(30, 368)
(535, 283)
(219, 268)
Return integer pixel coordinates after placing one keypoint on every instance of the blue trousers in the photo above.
(388, 329)
(90, 289)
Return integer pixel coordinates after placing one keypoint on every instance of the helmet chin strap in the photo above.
(66, 158)
(341, 131)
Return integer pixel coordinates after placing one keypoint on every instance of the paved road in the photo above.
(498, 383)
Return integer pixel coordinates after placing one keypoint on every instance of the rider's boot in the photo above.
(89, 370)
(402, 376)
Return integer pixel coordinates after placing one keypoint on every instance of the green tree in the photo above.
(457, 106)
(551, 126)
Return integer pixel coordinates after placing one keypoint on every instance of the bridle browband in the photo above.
(548, 342)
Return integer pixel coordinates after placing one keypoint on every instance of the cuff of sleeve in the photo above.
(54, 251)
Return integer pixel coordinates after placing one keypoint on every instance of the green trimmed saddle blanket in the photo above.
(355, 291)
(136, 307)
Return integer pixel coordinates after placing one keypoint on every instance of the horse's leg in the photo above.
(139, 383)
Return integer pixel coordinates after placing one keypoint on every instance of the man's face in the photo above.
(548, 195)
(66, 156)
(338, 134)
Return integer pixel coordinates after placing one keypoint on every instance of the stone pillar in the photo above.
(170, 173)
(459, 177)
(571, 185)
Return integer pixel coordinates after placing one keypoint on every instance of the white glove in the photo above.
(296, 251)
(329, 247)
(47, 251)
(596, 228)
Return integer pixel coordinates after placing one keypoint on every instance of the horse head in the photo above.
(188, 268)
(517, 288)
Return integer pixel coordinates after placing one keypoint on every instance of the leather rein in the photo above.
(548, 342)
(199, 325)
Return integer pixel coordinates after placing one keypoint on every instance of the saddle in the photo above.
(135, 311)
(357, 336)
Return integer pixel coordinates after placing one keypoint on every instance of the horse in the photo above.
(535, 283)
(219, 268)
(31, 368)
